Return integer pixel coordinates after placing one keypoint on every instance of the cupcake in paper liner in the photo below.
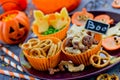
(79, 46)
(45, 55)
(51, 25)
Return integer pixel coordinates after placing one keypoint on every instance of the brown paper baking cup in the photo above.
(60, 34)
(83, 58)
(43, 64)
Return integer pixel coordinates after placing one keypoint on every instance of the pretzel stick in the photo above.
(11, 54)
(11, 63)
(10, 73)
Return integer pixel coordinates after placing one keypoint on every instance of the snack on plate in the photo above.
(52, 25)
(111, 43)
(53, 71)
(80, 18)
(113, 31)
(116, 4)
(104, 18)
(107, 77)
(100, 60)
(114, 60)
(80, 45)
(104, 77)
(114, 77)
(70, 66)
(42, 53)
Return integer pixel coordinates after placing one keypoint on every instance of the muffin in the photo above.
(42, 53)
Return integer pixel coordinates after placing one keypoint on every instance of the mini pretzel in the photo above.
(70, 66)
(104, 77)
(114, 77)
(34, 42)
(51, 50)
(47, 41)
(58, 46)
(35, 52)
(45, 44)
(26, 46)
(53, 71)
(43, 52)
(98, 61)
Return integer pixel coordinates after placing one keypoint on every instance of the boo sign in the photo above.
(97, 26)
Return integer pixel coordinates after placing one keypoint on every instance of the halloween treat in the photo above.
(70, 66)
(52, 25)
(80, 18)
(116, 4)
(37, 52)
(14, 27)
(104, 18)
(80, 44)
(98, 60)
(114, 60)
(114, 77)
(104, 77)
(111, 43)
(113, 31)
(45, 55)
(53, 71)
(107, 77)
(52, 6)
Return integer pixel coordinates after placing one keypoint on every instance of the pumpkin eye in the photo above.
(20, 25)
(11, 30)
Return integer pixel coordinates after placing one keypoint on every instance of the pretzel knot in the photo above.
(45, 44)
(114, 77)
(104, 77)
(34, 42)
(107, 77)
(101, 59)
(30, 44)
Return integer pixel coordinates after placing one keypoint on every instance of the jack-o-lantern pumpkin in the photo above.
(14, 27)
(7, 5)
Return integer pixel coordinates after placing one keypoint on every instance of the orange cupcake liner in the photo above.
(42, 64)
(83, 58)
(60, 34)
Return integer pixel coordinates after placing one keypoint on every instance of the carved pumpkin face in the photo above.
(14, 27)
